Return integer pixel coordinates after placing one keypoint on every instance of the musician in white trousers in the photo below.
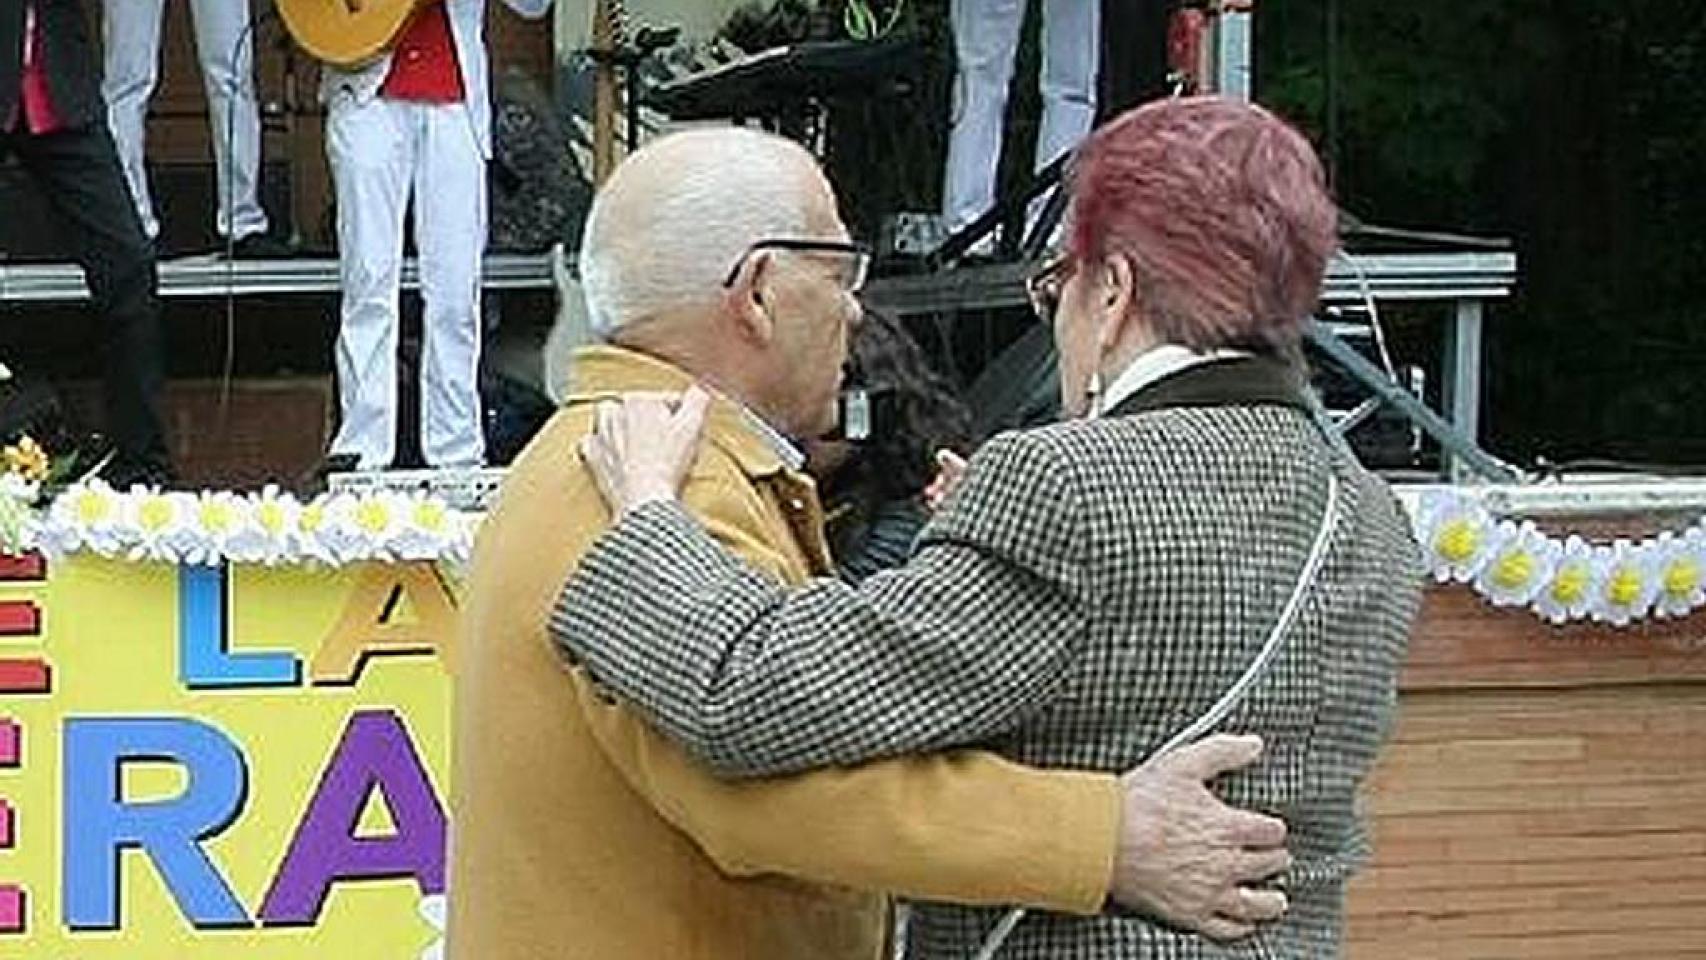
(986, 40)
(415, 124)
(225, 46)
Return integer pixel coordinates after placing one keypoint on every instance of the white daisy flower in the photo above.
(274, 531)
(377, 520)
(1521, 564)
(1627, 582)
(1681, 566)
(16, 486)
(219, 519)
(315, 533)
(17, 527)
(1456, 534)
(331, 533)
(19, 523)
(87, 516)
(428, 528)
(1568, 593)
(162, 525)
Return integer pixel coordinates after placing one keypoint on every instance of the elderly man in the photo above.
(1191, 550)
(718, 256)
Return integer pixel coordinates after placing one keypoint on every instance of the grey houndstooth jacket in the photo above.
(1089, 590)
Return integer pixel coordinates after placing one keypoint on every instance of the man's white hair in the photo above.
(673, 219)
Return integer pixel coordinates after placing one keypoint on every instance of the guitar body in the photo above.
(346, 33)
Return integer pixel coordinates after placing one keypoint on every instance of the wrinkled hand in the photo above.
(643, 445)
(1187, 858)
(950, 470)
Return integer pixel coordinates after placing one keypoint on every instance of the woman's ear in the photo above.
(1118, 296)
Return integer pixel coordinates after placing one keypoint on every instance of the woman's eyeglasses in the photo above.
(853, 260)
(1044, 285)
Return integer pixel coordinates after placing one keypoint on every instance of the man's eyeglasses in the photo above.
(1043, 286)
(853, 259)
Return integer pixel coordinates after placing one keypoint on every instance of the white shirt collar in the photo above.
(791, 456)
(1153, 365)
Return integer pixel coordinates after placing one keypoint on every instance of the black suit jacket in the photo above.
(73, 77)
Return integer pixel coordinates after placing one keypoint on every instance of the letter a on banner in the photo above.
(375, 753)
(373, 621)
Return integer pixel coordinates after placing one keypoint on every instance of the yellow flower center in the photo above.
(270, 515)
(216, 517)
(372, 517)
(430, 516)
(93, 507)
(1623, 587)
(313, 517)
(1457, 541)
(1570, 584)
(1513, 570)
(155, 514)
(1682, 577)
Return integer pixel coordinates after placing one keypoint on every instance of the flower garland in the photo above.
(1513, 564)
(271, 527)
(1507, 562)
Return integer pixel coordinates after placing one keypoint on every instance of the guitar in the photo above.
(346, 33)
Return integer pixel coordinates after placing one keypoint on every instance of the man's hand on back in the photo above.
(1187, 858)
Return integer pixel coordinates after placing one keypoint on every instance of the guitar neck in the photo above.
(608, 20)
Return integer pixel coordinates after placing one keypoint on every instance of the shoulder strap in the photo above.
(1223, 707)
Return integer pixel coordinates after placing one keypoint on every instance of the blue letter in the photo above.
(205, 659)
(99, 825)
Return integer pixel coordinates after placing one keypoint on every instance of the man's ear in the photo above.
(1119, 296)
(749, 299)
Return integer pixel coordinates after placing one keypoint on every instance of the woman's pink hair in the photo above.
(1223, 211)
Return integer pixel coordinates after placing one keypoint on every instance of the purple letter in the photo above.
(375, 752)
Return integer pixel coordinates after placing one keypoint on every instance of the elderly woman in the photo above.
(1188, 551)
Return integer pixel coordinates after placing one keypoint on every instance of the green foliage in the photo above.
(862, 21)
(1574, 127)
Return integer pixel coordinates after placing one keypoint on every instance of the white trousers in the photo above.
(225, 46)
(381, 152)
(986, 39)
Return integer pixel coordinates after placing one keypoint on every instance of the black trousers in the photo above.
(78, 170)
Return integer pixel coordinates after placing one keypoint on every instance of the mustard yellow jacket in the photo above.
(578, 832)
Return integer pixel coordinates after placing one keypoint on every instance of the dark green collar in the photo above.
(1241, 382)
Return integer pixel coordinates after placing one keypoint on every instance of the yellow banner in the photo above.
(211, 763)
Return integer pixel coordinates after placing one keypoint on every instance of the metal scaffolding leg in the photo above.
(1463, 377)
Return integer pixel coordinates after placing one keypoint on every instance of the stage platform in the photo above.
(1449, 276)
(214, 276)
(1464, 280)
(464, 489)
(1399, 276)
